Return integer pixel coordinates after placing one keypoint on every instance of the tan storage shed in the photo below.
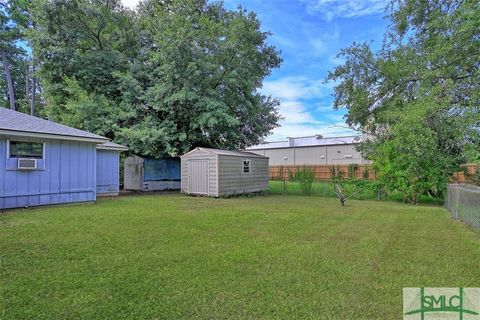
(216, 173)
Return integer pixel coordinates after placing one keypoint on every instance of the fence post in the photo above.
(457, 197)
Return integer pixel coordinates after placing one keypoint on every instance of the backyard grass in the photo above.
(269, 257)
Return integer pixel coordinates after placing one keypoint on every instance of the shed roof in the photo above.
(112, 146)
(13, 123)
(226, 152)
(316, 140)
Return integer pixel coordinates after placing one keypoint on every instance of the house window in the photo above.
(20, 149)
(246, 166)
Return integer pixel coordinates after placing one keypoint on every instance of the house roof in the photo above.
(226, 152)
(307, 141)
(13, 123)
(112, 146)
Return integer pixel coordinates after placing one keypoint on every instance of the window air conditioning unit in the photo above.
(27, 164)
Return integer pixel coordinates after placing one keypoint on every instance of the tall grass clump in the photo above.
(305, 176)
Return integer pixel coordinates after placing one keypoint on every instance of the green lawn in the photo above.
(271, 257)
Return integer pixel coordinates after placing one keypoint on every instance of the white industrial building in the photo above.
(312, 150)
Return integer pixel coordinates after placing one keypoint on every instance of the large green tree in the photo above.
(80, 46)
(418, 97)
(164, 79)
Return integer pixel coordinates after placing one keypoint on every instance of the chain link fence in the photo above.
(463, 202)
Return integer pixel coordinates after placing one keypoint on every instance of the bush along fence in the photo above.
(355, 183)
(463, 202)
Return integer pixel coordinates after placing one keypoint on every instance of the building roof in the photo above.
(112, 146)
(13, 123)
(226, 152)
(307, 141)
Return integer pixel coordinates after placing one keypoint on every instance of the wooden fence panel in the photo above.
(470, 169)
(324, 172)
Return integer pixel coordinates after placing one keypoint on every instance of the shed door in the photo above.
(198, 172)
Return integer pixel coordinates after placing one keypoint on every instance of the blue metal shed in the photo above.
(147, 174)
(108, 168)
(43, 162)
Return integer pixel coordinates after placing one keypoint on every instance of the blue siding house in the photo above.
(108, 168)
(43, 162)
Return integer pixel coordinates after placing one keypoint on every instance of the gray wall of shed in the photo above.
(232, 179)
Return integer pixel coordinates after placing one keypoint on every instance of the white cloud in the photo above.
(130, 3)
(298, 119)
(285, 89)
(295, 112)
(324, 108)
(294, 88)
(345, 8)
(292, 92)
(295, 130)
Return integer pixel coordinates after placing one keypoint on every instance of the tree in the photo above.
(13, 56)
(206, 66)
(21, 12)
(82, 41)
(408, 160)
(8, 75)
(9, 34)
(173, 76)
(417, 97)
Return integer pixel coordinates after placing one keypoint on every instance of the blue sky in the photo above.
(310, 33)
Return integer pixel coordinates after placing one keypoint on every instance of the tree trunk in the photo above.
(34, 89)
(6, 66)
(27, 83)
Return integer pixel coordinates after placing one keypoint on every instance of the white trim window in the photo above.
(246, 166)
(23, 149)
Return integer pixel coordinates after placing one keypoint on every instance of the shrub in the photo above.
(305, 176)
(352, 170)
(336, 174)
(366, 173)
(291, 176)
